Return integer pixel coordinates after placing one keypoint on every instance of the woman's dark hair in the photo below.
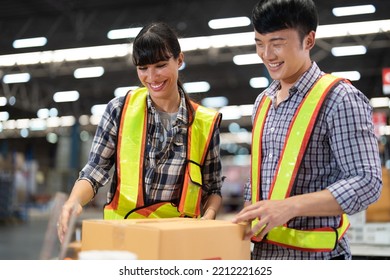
(274, 15)
(156, 42)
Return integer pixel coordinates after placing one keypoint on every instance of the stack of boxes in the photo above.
(372, 226)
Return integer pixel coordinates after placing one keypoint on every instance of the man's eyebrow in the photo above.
(272, 39)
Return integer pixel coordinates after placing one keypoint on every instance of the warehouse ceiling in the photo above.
(84, 23)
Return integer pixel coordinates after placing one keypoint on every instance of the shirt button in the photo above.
(272, 129)
(270, 155)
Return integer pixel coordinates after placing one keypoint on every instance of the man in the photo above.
(314, 153)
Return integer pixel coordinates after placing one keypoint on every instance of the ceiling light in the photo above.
(37, 124)
(16, 78)
(121, 91)
(246, 109)
(53, 122)
(43, 113)
(95, 119)
(230, 112)
(229, 22)
(353, 28)
(52, 138)
(196, 87)
(353, 10)
(29, 42)
(22, 123)
(259, 82)
(246, 59)
(53, 112)
(98, 109)
(349, 50)
(66, 96)
(215, 102)
(88, 72)
(187, 44)
(24, 132)
(3, 101)
(378, 102)
(124, 33)
(68, 120)
(4, 116)
(350, 75)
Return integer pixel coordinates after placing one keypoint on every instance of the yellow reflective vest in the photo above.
(317, 239)
(128, 199)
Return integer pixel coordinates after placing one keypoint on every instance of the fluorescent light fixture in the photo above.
(29, 42)
(353, 10)
(66, 96)
(353, 28)
(259, 82)
(53, 112)
(229, 22)
(16, 78)
(37, 124)
(215, 102)
(4, 116)
(378, 102)
(97, 52)
(187, 44)
(95, 119)
(22, 123)
(196, 87)
(217, 41)
(24, 132)
(84, 119)
(43, 113)
(98, 109)
(3, 101)
(246, 59)
(349, 50)
(88, 72)
(121, 91)
(53, 122)
(52, 138)
(10, 124)
(350, 75)
(123, 33)
(68, 120)
(75, 54)
(246, 109)
(230, 112)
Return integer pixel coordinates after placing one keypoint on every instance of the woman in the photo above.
(165, 147)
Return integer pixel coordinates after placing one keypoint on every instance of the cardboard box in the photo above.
(168, 239)
(379, 212)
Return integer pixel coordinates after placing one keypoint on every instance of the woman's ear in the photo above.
(180, 59)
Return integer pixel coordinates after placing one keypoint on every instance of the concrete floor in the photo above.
(23, 240)
(34, 238)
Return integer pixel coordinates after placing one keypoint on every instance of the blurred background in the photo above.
(61, 61)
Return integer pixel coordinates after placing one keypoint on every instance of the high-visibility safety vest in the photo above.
(318, 239)
(128, 200)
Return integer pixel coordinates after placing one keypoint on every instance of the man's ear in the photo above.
(310, 40)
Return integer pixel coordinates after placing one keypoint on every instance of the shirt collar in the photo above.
(303, 84)
(182, 115)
